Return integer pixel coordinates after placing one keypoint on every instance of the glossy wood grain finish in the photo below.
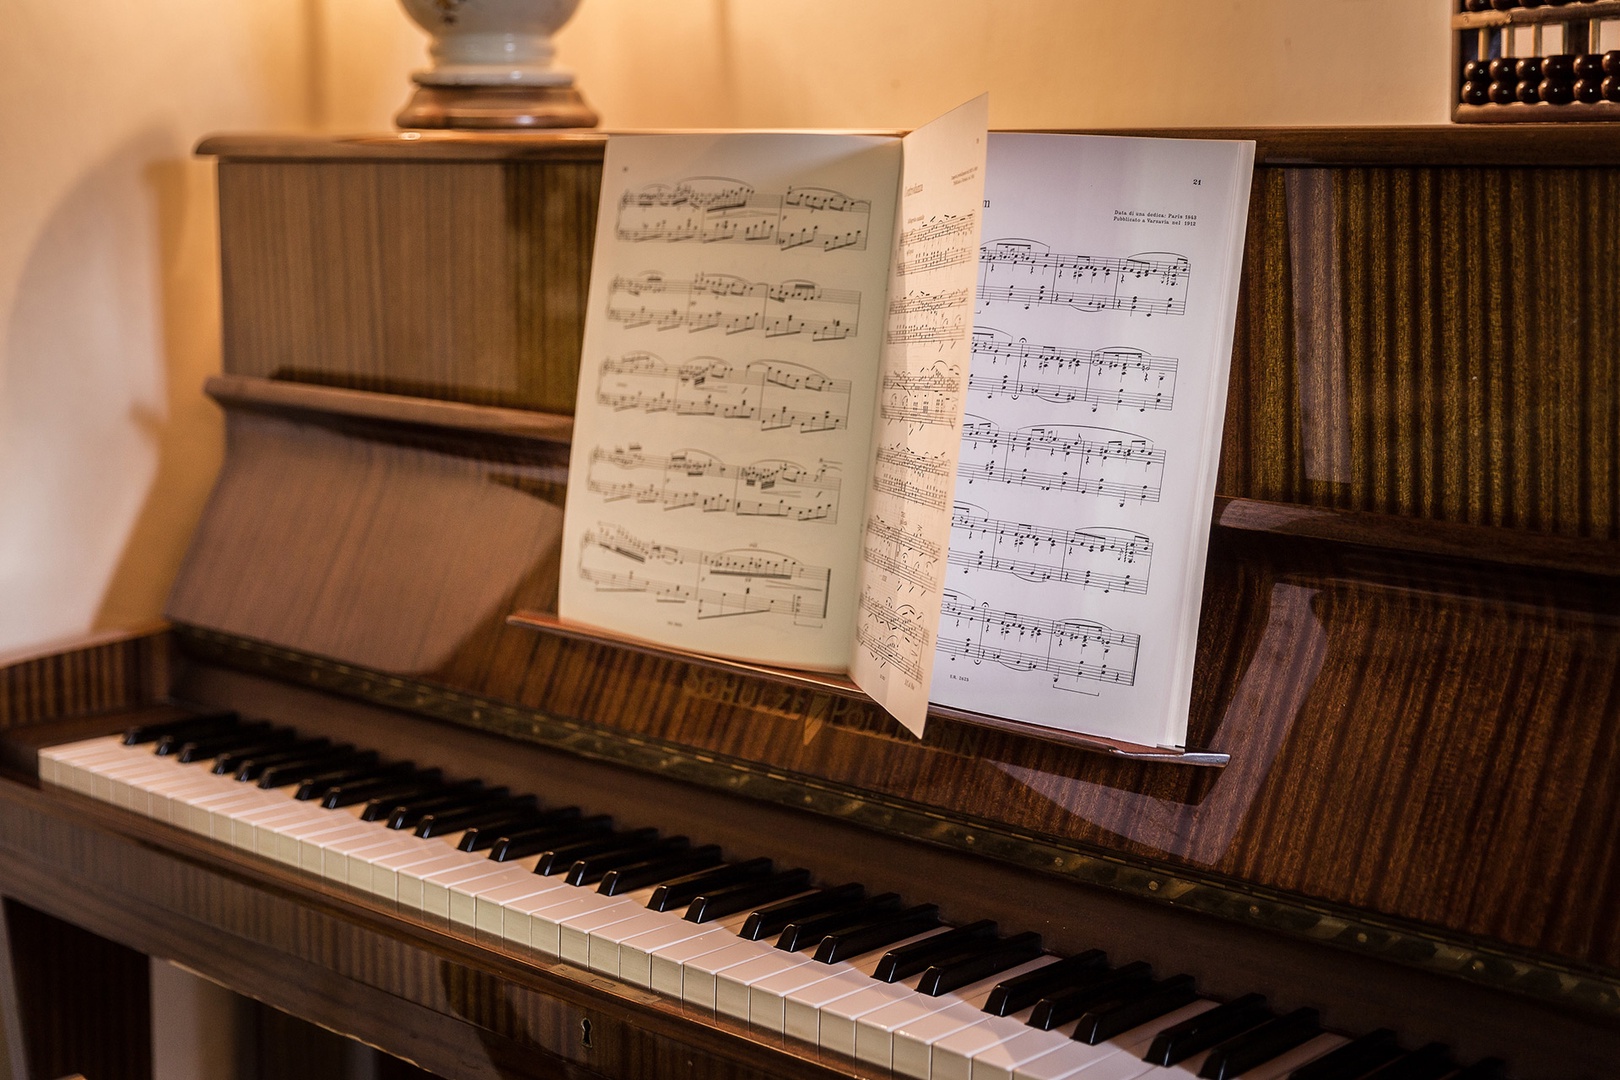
(1437, 343)
(463, 280)
(102, 673)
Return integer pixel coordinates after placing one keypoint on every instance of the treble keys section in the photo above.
(875, 978)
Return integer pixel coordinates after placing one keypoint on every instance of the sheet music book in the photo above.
(782, 408)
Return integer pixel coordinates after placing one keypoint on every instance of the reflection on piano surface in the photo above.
(591, 860)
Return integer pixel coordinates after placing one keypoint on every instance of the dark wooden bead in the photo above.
(1504, 93)
(1611, 88)
(1476, 93)
(1528, 92)
(1588, 66)
(1529, 69)
(1505, 69)
(1476, 5)
(1503, 5)
(1555, 92)
(1480, 71)
(1559, 67)
(1611, 62)
(1588, 91)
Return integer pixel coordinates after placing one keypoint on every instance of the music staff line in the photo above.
(1120, 376)
(696, 479)
(775, 393)
(1024, 272)
(1102, 558)
(720, 584)
(1083, 460)
(1071, 651)
(713, 209)
(734, 305)
(895, 635)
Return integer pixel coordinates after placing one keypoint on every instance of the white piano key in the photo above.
(733, 987)
(546, 923)
(436, 887)
(636, 953)
(389, 873)
(575, 932)
(493, 905)
(699, 980)
(874, 1030)
(802, 1014)
(518, 923)
(313, 847)
(349, 861)
(465, 895)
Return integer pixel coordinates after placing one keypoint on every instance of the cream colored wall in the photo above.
(108, 301)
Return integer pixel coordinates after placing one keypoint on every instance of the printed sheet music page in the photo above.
(1107, 287)
(723, 425)
(917, 435)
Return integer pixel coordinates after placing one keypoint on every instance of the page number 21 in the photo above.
(1197, 182)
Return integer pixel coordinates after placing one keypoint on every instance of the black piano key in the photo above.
(1151, 1001)
(1353, 1060)
(521, 845)
(907, 960)
(640, 875)
(980, 964)
(1237, 1056)
(1429, 1062)
(380, 806)
(211, 745)
(1019, 993)
(253, 768)
(365, 791)
(297, 772)
(1087, 992)
(1491, 1068)
(562, 858)
(680, 892)
(775, 917)
(1180, 1042)
(408, 815)
(514, 811)
(484, 837)
(263, 741)
(843, 944)
(316, 787)
(196, 726)
(592, 868)
(802, 933)
(256, 763)
(750, 894)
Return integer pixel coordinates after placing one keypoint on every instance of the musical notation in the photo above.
(1104, 558)
(1027, 273)
(926, 396)
(921, 316)
(1072, 651)
(715, 209)
(919, 479)
(719, 584)
(696, 479)
(901, 551)
(734, 305)
(1061, 457)
(1123, 377)
(774, 393)
(894, 633)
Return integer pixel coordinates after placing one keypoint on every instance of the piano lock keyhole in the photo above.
(585, 1033)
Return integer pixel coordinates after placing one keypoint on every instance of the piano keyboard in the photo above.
(868, 977)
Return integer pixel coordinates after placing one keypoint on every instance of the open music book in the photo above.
(800, 443)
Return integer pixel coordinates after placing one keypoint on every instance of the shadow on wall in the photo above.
(109, 447)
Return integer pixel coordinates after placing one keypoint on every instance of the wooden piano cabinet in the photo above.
(1409, 647)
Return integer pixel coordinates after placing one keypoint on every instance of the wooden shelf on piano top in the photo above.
(841, 686)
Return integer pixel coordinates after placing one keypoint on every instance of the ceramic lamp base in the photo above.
(487, 107)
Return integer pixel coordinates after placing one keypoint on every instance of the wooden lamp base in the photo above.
(493, 107)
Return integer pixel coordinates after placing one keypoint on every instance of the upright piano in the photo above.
(1408, 659)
